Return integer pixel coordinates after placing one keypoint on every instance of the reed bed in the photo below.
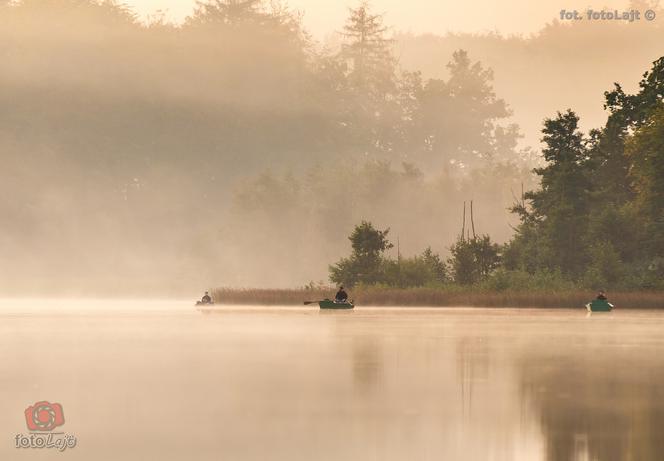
(432, 297)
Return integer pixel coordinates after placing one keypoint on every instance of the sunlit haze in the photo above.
(150, 154)
(323, 230)
(323, 17)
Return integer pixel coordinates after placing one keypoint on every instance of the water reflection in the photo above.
(597, 404)
(425, 387)
(375, 384)
(472, 367)
(367, 363)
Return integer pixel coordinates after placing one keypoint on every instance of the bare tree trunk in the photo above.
(472, 221)
(463, 226)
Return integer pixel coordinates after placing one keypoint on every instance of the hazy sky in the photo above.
(507, 16)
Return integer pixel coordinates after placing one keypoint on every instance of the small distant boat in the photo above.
(599, 305)
(201, 303)
(330, 304)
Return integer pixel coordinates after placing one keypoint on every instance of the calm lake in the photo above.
(159, 380)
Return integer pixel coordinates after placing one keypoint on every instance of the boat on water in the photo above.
(201, 303)
(599, 305)
(330, 304)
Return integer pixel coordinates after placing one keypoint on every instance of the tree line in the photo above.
(596, 220)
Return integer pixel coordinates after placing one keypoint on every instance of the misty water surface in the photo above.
(159, 380)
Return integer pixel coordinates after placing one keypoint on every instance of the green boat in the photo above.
(329, 304)
(599, 305)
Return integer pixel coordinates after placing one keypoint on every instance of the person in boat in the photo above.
(206, 299)
(601, 295)
(341, 296)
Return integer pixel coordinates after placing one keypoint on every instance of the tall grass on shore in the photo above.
(433, 297)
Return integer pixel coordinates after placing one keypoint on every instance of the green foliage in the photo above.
(599, 215)
(462, 263)
(435, 267)
(369, 243)
(634, 110)
(604, 268)
(529, 250)
(365, 263)
(563, 201)
(426, 269)
(619, 227)
(345, 272)
(558, 216)
(368, 266)
(646, 152)
(473, 260)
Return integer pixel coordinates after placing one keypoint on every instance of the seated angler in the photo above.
(206, 299)
(341, 296)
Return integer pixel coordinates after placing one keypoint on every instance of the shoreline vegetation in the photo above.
(437, 297)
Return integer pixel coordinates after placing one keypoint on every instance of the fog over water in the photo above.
(157, 379)
(158, 158)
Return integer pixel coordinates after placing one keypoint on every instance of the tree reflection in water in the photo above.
(597, 404)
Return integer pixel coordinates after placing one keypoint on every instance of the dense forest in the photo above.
(596, 219)
(235, 149)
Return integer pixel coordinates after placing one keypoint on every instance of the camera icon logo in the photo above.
(44, 416)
